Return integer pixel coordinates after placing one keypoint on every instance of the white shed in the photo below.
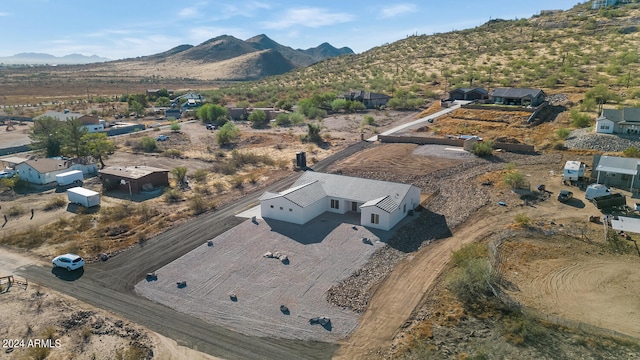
(604, 125)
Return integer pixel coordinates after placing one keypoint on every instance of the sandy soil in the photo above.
(81, 331)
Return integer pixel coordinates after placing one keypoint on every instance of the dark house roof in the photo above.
(516, 93)
(361, 95)
(467, 90)
(622, 115)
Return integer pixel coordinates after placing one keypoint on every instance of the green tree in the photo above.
(175, 127)
(163, 101)
(339, 105)
(148, 144)
(180, 173)
(515, 179)
(227, 134)
(313, 134)
(140, 98)
(356, 106)
(212, 113)
(258, 119)
(562, 133)
(73, 142)
(579, 119)
(100, 147)
(296, 118)
(47, 136)
(483, 148)
(136, 107)
(283, 120)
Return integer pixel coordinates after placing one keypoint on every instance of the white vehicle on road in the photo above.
(68, 261)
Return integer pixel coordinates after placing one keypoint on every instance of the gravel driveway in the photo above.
(321, 253)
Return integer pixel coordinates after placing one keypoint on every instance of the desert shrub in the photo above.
(515, 179)
(632, 152)
(147, 144)
(258, 119)
(522, 219)
(175, 127)
(173, 195)
(296, 118)
(510, 166)
(617, 244)
(133, 352)
(368, 120)
(227, 134)
(237, 181)
(172, 153)
(559, 145)
(32, 238)
(145, 212)
(200, 175)
(562, 133)
(240, 159)
(16, 210)
(579, 119)
(202, 190)
(55, 203)
(219, 186)
(468, 253)
(114, 213)
(520, 328)
(313, 134)
(473, 280)
(199, 205)
(283, 120)
(38, 353)
(482, 148)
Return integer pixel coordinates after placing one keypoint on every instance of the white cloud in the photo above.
(309, 17)
(398, 9)
(4, 14)
(190, 12)
(227, 11)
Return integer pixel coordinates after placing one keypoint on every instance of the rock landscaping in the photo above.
(583, 139)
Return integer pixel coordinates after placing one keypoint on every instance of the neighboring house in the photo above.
(597, 4)
(369, 99)
(469, 94)
(136, 178)
(120, 128)
(41, 171)
(91, 123)
(172, 113)
(622, 121)
(237, 113)
(155, 93)
(192, 101)
(518, 96)
(381, 204)
(620, 172)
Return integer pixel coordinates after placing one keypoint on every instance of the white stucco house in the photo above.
(43, 171)
(381, 204)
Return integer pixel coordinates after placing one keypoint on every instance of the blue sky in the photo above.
(118, 29)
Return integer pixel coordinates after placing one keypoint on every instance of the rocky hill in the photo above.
(221, 58)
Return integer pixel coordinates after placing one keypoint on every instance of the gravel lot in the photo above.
(583, 139)
(322, 252)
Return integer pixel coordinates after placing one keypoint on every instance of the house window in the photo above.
(272, 206)
(404, 208)
(290, 209)
(335, 204)
(604, 127)
(375, 219)
(280, 207)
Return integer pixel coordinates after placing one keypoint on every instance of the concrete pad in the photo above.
(248, 214)
(321, 253)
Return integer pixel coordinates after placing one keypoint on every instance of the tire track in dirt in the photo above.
(588, 291)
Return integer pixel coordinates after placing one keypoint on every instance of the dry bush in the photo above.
(200, 175)
(32, 238)
(219, 186)
(145, 212)
(172, 153)
(202, 190)
(199, 205)
(16, 210)
(173, 195)
(55, 203)
(114, 213)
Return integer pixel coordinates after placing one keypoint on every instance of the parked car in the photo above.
(68, 261)
(162, 138)
(211, 127)
(565, 195)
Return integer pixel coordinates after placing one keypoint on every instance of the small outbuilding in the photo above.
(615, 171)
(134, 178)
(469, 94)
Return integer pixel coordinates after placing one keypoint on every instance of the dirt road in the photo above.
(109, 285)
(404, 289)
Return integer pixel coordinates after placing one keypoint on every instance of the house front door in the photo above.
(354, 206)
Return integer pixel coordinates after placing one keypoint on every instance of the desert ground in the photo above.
(568, 278)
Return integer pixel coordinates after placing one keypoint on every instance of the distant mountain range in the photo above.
(48, 59)
(221, 58)
(228, 58)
